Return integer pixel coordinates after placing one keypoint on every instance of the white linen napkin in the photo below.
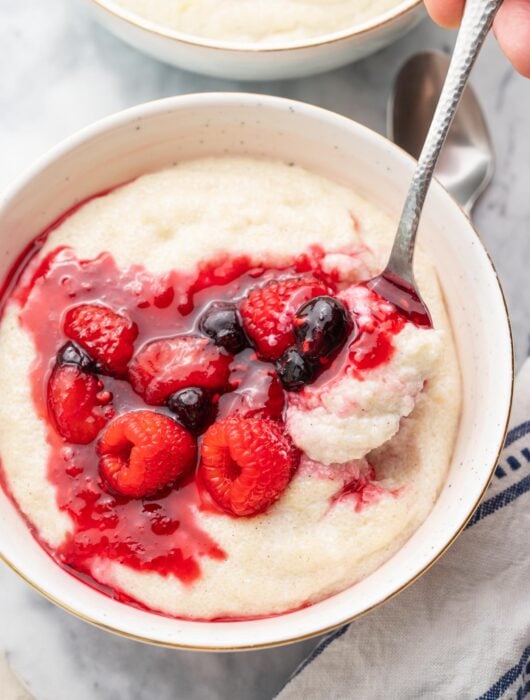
(461, 631)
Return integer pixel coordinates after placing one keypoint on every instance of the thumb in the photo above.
(512, 29)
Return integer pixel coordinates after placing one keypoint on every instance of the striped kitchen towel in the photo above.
(463, 630)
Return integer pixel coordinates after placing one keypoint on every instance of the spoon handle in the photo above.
(476, 23)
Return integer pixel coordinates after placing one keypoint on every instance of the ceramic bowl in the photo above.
(224, 59)
(157, 134)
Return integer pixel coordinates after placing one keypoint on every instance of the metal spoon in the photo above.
(396, 283)
(467, 161)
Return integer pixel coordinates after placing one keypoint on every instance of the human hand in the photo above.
(512, 27)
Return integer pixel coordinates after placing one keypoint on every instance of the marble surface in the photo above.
(61, 71)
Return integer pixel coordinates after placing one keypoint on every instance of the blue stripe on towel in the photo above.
(523, 691)
(522, 670)
(499, 473)
(501, 500)
(504, 498)
(514, 434)
(513, 463)
(517, 433)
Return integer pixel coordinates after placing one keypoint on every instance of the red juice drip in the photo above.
(374, 346)
(362, 491)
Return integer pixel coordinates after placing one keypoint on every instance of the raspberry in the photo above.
(78, 404)
(268, 312)
(109, 337)
(165, 366)
(142, 451)
(247, 464)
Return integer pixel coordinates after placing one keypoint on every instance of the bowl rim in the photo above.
(158, 31)
(154, 107)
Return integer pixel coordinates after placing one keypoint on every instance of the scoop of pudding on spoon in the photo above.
(396, 283)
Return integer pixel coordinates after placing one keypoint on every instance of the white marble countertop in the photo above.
(59, 72)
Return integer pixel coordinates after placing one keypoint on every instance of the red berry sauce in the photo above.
(374, 344)
(159, 533)
(362, 491)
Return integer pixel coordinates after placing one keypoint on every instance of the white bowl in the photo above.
(154, 136)
(224, 59)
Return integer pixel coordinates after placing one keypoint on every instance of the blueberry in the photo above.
(72, 354)
(222, 323)
(295, 370)
(192, 408)
(321, 326)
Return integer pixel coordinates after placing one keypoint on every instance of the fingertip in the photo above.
(446, 13)
(512, 29)
(522, 65)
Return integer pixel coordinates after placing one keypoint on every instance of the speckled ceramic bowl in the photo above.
(155, 135)
(224, 59)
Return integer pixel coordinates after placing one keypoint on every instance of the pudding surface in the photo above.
(374, 432)
(258, 21)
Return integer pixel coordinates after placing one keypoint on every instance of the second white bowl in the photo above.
(224, 59)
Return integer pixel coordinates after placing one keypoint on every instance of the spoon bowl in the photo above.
(467, 162)
(403, 295)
